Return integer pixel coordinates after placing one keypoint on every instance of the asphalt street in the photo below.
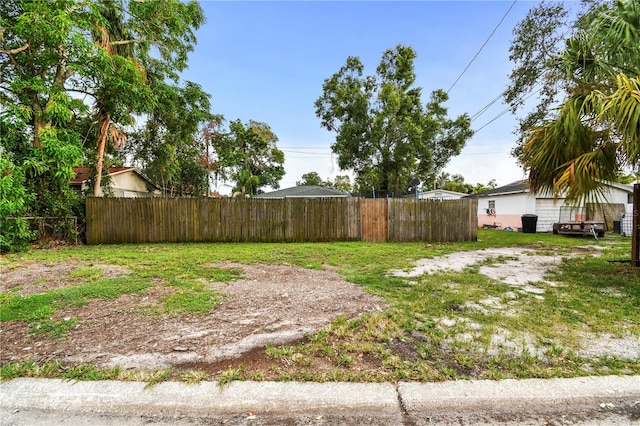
(611, 400)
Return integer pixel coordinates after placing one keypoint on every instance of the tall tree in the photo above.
(107, 50)
(311, 179)
(247, 155)
(595, 132)
(145, 44)
(383, 131)
(456, 183)
(342, 183)
(538, 41)
(117, 84)
(40, 44)
(168, 147)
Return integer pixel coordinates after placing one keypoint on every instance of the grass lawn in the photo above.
(433, 330)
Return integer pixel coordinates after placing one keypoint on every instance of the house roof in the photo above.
(444, 191)
(83, 174)
(521, 186)
(516, 187)
(621, 186)
(304, 191)
(436, 193)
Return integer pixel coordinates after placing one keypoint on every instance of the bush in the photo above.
(14, 231)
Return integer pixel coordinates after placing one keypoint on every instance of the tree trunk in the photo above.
(37, 127)
(102, 142)
(635, 239)
(38, 123)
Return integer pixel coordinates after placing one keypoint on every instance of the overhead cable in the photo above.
(504, 111)
(483, 45)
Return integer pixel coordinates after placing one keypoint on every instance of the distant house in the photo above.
(304, 191)
(438, 194)
(125, 182)
(505, 205)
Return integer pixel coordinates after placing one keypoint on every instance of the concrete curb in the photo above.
(406, 403)
(510, 393)
(179, 399)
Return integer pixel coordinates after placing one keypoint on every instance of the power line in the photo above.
(305, 147)
(492, 120)
(295, 157)
(504, 111)
(485, 108)
(305, 152)
(482, 153)
(483, 45)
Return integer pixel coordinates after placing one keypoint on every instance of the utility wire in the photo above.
(485, 108)
(305, 147)
(483, 45)
(504, 111)
(492, 120)
(305, 152)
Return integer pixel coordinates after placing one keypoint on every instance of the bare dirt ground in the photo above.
(271, 304)
(524, 270)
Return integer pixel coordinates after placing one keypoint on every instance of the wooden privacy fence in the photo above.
(155, 220)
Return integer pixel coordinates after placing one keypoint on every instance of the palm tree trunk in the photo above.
(102, 142)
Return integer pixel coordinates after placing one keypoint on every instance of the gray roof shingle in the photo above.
(304, 191)
(516, 187)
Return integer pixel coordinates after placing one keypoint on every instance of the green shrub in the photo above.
(14, 230)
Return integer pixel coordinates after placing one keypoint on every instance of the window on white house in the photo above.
(492, 204)
(629, 198)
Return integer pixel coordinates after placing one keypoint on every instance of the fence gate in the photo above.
(374, 219)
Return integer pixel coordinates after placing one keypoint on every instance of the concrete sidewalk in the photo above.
(587, 400)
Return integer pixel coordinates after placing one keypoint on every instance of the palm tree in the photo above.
(121, 68)
(596, 132)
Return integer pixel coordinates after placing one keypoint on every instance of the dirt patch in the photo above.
(271, 304)
(34, 278)
(518, 267)
(526, 270)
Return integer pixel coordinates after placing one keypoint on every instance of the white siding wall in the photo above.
(509, 204)
(548, 211)
(509, 209)
(616, 196)
(129, 182)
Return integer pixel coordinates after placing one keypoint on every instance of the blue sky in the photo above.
(266, 61)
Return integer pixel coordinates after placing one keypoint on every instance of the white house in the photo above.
(504, 206)
(125, 182)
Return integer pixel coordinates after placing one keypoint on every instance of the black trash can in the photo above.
(616, 227)
(529, 223)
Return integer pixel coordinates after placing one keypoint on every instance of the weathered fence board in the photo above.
(432, 220)
(374, 213)
(154, 220)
